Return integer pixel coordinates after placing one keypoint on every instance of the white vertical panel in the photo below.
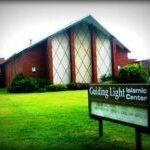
(61, 58)
(83, 54)
(103, 47)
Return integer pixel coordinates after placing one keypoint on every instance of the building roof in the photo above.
(92, 21)
(145, 62)
(89, 20)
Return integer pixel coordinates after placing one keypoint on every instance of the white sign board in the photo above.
(128, 114)
(125, 103)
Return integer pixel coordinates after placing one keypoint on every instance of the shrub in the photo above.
(43, 89)
(56, 87)
(133, 73)
(106, 77)
(77, 86)
(27, 84)
(18, 77)
(22, 84)
(42, 82)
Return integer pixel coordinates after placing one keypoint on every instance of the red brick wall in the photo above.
(71, 34)
(24, 61)
(13, 67)
(119, 57)
(49, 60)
(93, 54)
(34, 57)
(2, 75)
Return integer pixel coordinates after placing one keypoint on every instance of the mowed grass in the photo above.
(57, 120)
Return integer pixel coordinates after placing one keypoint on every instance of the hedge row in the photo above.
(64, 87)
(22, 84)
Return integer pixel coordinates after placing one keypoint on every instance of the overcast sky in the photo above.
(19, 22)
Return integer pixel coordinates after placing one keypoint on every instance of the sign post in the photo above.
(138, 139)
(100, 127)
(127, 104)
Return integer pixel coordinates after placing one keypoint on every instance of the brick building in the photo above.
(81, 52)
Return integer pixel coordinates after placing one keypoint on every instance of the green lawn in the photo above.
(57, 120)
